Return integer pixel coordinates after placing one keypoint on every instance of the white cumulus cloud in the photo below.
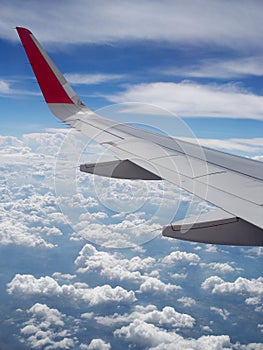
(168, 316)
(155, 285)
(113, 266)
(179, 256)
(45, 328)
(219, 267)
(252, 289)
(96, 344)
(145, 334)
(28, 285)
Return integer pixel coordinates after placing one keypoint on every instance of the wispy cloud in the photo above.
(221, 68)
(235, 24)
(189, 99)
(7, 89)
(91, 79)
(4, 87)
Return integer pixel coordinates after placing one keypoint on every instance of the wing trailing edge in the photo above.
(216, 227)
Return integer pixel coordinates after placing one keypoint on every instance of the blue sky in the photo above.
(83, 263)
(200, 60)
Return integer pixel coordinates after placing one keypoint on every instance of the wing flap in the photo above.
(216, 227)
(121, 169)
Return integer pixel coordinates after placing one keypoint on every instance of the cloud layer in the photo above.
(64, 292)
(198, 22)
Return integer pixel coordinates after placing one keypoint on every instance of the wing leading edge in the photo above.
(234, 184)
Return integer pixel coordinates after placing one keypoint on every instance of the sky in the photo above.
(83, 264)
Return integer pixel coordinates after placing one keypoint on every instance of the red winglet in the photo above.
(48, 80)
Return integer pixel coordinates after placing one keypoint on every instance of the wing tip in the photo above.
(51, 81)
(23, 30)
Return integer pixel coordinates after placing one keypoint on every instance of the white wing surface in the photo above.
(234, 184)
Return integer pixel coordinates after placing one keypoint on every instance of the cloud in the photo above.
(28, 214)
(27, 200)
(190, 99)
(10, 141)
(251, 289)
(28, 206)
(45, 328)
(255, 301)
(187, 301)
(54, 231)
(91, 79)
(210, 282)
(13, 232)
(145, 334)
(113, 266)
(122, 275)
(28, 285)
(155, 285)
(5, 87)
(106, 293)
(219, 267)
(221, 68)
(143, 271)
(179, 256)
(211, 248)
(177, 22)
(96, 344)
(167, 317)
(240, 285)
(182, 276)
(222, 312)
(44, 143)
(251, 346)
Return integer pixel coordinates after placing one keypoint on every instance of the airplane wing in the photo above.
(234, 184)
